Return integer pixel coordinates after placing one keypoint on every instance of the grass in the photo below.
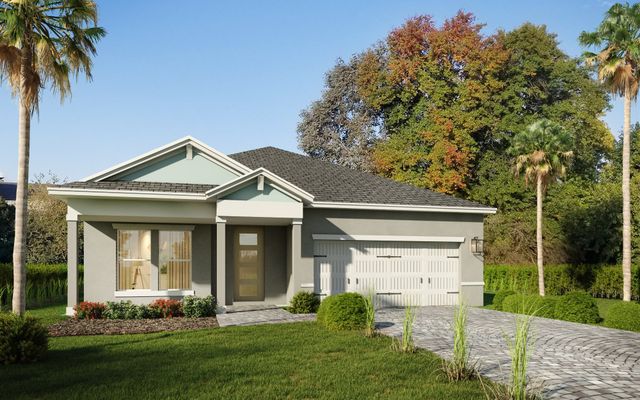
(301, 360)
(49, 314)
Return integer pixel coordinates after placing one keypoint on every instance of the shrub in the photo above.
(624, 315)
(46, 283)
(145, 312)
(498, 299)
(577, 307)
(531, 304)
(304, 303)
(346, 311)
(121, 310)
(89, 310)
(167, 308)
(599, 280)
(22, 339)
(459, 368)
(370, 313)
(198, 307)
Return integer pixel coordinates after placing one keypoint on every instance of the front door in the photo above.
(249, 263)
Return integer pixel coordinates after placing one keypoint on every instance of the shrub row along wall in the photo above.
(46, 283)
(598, 280)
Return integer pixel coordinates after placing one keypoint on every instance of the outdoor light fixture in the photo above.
(477, 245)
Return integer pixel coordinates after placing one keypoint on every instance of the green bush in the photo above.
(346, 311)
(121, 310)
(304, 303)
(577, 307)
(498, 299)
(199, 307)
(624, 315)
(531, 304)
(22, 339)
(599, 280)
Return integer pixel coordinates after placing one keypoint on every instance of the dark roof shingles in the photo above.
(141, 186)
(335, 183)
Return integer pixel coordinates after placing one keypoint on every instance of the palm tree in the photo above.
(41, 42)
(542, 153)
(618, 40)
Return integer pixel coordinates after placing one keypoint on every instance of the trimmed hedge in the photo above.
(304, 303)
(22, 339)
(46, 283)
(599, 280)
(344, 311)
(531, 304)
(577, 307)
(199, 307)
(624, 315)
(498, 299)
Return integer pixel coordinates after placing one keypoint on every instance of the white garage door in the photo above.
(399, 273)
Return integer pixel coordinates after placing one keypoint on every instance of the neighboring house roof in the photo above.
(8, 190)
(335, 183)
(140, 186)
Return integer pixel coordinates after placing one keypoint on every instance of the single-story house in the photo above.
(261, 225)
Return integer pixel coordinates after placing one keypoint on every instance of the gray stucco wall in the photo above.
(358, 222)
(100, 263)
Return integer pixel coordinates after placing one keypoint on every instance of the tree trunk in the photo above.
(539, 235)
(22, 191)
(626, 199)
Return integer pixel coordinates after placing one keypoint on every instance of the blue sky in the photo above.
(234, 74)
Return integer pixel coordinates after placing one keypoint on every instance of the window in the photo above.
(175, 260)
(149, 259)
(134, 259)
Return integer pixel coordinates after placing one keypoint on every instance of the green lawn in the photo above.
(49, 314)
(301, 360)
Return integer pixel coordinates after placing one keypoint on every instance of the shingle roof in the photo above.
(141, 186)
(335, 183)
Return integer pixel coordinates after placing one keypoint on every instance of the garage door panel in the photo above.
(400, 273)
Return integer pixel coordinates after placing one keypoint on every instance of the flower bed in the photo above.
(83, 327)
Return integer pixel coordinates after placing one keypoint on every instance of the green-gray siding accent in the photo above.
(176, 168)
(250, 192)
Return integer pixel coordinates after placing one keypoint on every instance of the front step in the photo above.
(235, 308)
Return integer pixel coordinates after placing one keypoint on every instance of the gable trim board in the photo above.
(124, 194)
(213, 154)
(276, 181)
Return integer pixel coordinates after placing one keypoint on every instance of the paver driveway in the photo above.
(569, 361)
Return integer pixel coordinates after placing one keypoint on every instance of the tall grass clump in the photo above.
(370, 315)
(405, 343)
(459, 368)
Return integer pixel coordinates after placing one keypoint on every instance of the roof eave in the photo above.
(65, 193)
(404, 207)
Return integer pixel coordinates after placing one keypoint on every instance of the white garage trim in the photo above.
(471, 283)
(389, 238)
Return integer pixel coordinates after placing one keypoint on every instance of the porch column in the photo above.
(221, 265)
(72, 265)
(296, 255)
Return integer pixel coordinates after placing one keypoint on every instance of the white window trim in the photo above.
(388, 238)
(153, 293)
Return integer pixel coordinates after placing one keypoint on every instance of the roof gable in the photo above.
(167, 162)
(178, 167)
(251, 192)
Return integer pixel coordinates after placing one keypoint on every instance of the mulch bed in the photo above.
(82, 327)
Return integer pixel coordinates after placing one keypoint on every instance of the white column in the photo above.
(296, 256)
(221, 267)
(72, 266)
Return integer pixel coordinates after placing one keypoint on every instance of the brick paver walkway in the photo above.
(569, 361)
(258, 317)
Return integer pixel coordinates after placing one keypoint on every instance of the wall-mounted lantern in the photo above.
(477, 246)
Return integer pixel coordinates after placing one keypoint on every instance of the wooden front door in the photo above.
(249, 263)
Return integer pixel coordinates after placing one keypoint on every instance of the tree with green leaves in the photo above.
(542, 153)
(41, 42)
(617, 39)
